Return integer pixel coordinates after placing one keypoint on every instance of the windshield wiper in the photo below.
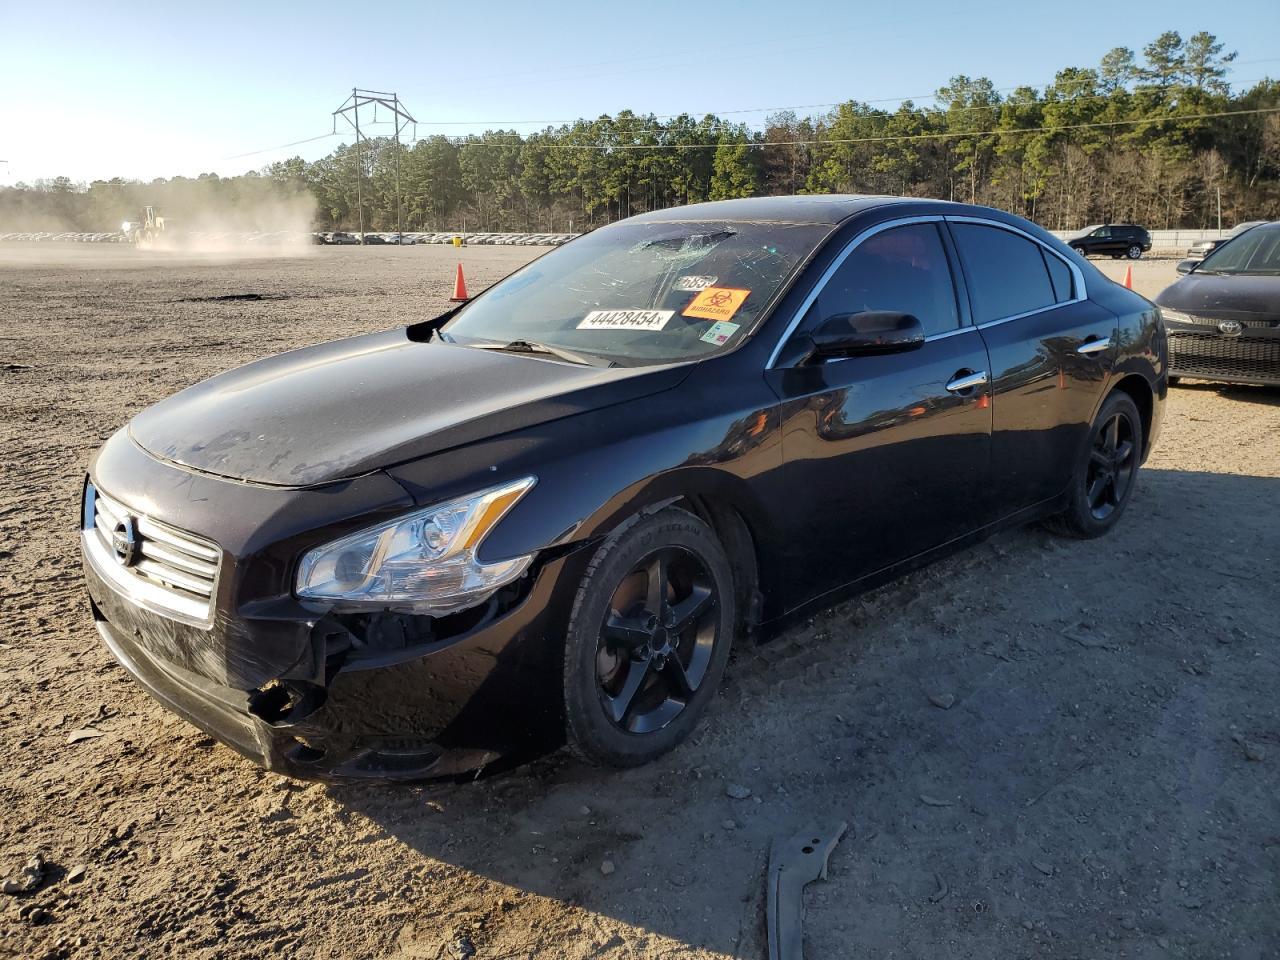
(532, 346)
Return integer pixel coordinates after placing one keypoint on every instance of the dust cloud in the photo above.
(267, 226)
(241, 217)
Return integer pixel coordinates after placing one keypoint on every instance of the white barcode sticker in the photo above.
(626, 319)
(692, 282)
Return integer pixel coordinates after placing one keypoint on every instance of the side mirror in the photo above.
(871, 332)
(1186, 266)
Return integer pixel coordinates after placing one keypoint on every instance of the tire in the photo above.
(1135, 252)
(1081, 250)
(1096, 503)
(631, 691)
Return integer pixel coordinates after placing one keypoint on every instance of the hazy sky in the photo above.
(96, 89)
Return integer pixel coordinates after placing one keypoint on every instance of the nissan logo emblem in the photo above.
(125, 543)
(1231, 328)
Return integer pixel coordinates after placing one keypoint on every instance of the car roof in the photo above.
(821, 209)
(833, 210)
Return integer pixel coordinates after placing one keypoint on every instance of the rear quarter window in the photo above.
(1059, 276)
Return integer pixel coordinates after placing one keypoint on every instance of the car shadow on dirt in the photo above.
(1248, 393)
(1037, 741)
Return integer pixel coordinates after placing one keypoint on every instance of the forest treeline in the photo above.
(1159, 139)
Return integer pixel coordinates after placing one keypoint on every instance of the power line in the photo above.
(459, 142)
(647, 118)
(821, 106)
(283, 146)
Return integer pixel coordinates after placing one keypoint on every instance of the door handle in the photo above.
(1090, 347)
(966, 381)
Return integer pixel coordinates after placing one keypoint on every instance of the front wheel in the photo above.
(648, 639)
(1135, 252)
(1104, 477)
(1080, 251)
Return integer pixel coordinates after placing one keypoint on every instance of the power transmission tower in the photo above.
(350, 111)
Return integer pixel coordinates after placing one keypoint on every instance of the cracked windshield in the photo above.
(640, 293)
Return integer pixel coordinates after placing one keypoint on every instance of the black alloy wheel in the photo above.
(1112, 462)
(648, 639)
(656, 640)
(1105, 476)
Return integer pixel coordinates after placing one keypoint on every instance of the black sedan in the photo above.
(1223, 316)
(546, 514)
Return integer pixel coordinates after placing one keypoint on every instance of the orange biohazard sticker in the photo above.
(716, 303)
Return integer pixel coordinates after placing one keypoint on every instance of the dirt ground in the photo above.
(1043, 748)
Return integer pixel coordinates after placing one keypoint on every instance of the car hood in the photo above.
(1220, 297)
(345, 408)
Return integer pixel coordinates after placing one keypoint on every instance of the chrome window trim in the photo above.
(1081, 289)
(967, 328)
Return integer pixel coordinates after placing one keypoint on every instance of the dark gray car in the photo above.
(1223, 316)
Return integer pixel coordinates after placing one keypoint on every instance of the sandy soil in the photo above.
(1043, 748)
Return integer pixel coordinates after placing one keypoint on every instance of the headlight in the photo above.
(424, 562)
(1177, 316)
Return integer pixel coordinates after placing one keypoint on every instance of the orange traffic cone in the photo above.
(460, 287)
(1128, 277)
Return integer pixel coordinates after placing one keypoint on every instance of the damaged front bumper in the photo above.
(432, 709)
(292, 684)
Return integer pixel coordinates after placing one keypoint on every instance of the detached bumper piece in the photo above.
(1248, 358)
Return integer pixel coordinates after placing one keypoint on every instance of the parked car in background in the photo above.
(338, 237)
(373, 239)
(1202, 248)
(1116, 239)
(548, 513)
(1223, 315)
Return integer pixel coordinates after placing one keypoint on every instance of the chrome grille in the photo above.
(154, 565)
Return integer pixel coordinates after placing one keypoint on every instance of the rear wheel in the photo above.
(648, 639)
(1135, 252)
(1103, 480)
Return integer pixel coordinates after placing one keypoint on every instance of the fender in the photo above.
(730, 456)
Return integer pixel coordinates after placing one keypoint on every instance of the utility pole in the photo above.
(1219, 189)
(350, 112)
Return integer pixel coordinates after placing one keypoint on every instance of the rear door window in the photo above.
(903, 269)
(1006, 272)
